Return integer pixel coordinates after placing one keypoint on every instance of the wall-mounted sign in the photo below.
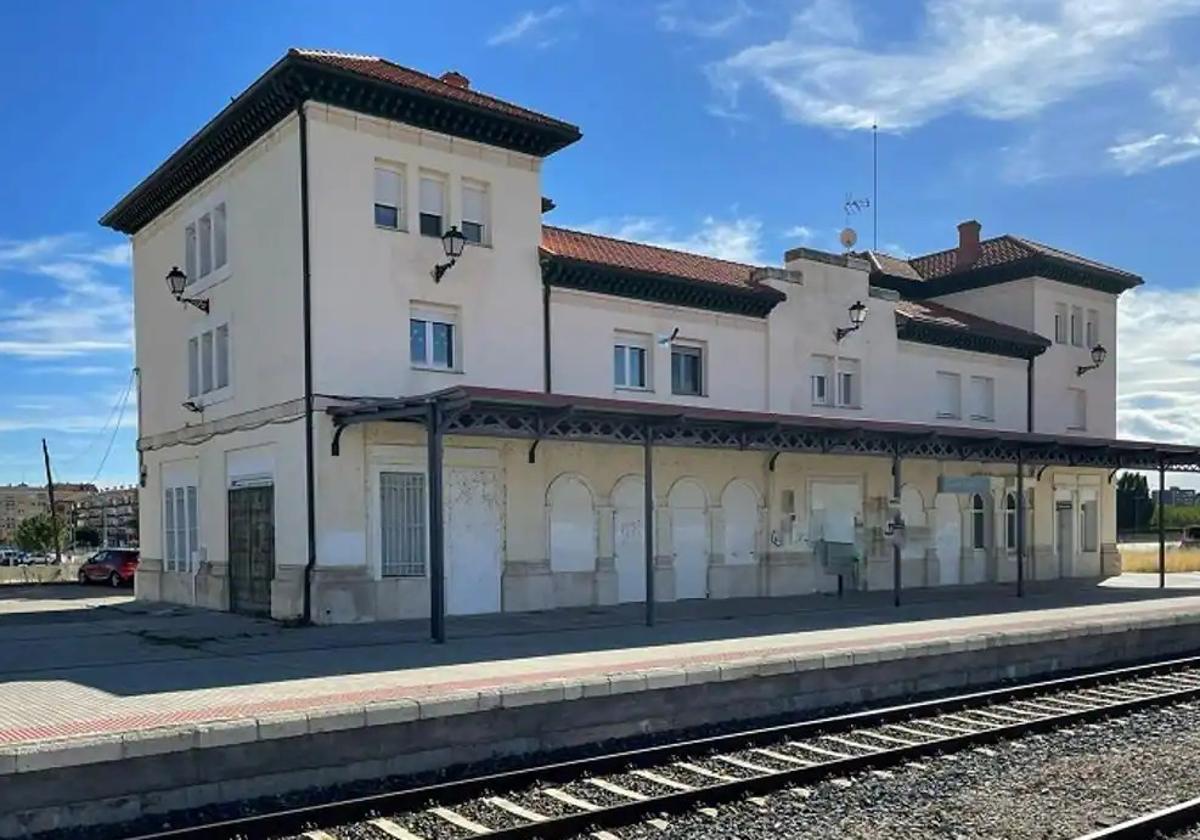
(964, 484)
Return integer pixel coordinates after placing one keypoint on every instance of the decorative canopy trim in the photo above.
(299, 77)
(531, 415)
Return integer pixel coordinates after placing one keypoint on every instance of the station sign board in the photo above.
(964, 484)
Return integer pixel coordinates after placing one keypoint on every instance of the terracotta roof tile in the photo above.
(936, 314)
(651, 259)
(1000, 250)
(386, 71)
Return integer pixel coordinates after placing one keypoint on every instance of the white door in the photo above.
(912, 511)
(689, 539)
(1064, 544)
(629, 539)
(473, 541)
(739, 503)
(948, 539)
(834, 508)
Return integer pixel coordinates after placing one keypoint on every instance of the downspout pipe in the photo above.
(306, 294)
(546, 334)
(1029, 395)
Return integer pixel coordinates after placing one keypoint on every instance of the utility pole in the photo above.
(53, 509)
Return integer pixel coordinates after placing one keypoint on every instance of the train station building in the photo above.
(376, 383)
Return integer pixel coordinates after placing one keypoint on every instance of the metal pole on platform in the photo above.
(898, 522)
(648, 521)
(1020, 525)
(1162, 532)
(437, 556)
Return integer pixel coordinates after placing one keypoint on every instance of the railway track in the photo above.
(599, 794)
(1161, 823)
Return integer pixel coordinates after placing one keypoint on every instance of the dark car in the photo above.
(114, 566)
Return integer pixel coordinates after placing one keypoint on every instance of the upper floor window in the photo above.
(848, 389)
(389, 198)
(629, 362)
(983, 398)
(208, 361)
(1077, 400)
(433, 337)
(1077, 326)
(1093, 328)
(821, 378)
(949, 395)
(475, 211)
(433, 204)
(1060, 323)
(687, 370)
(205, 244)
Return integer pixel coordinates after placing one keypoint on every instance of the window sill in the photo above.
(637, 389)
(436, 369)
(213, 397)
(203, 284)
(979, 418)
(688, 394)
(391, 229)
(941, 416)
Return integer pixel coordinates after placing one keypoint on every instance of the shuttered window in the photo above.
(220, 249)
(433, 205)
(190, 250)
(474, 211)
(402, 523)
(389, 198)
(181, 530)
(949, 395)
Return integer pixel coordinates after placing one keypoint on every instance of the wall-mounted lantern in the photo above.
(453, 243)
(1099, 354)
(858, 315)
(177, 282)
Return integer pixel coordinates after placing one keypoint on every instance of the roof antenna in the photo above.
(875, 185)
(852, 207)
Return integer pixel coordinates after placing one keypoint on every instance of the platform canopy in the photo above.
(537, 416)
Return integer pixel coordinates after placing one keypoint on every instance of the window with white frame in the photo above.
(206, 244)
(433, 204)
(821, 377)
(1010, 521)
(1077, 326)
(389, 197)
(1089, 525)
(848, 388)
(208, 362)
(630, 355)
(983, 398)
(433, 337)
(978, 522)
(1060, 323)
(949, 395)
(402, 512)
(181, 528)
(475, 211)
(687, 370)
(1093, 328)
(1077, 400)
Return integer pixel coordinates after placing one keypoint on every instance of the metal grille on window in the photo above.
(402, 524)
(193, 527)
(181, 533)
(169, 527)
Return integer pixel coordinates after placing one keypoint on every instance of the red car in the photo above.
(114, 566)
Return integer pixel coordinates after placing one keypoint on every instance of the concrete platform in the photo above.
(111, 710)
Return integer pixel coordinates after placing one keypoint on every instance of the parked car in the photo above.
(37, 560)
(11, 557)
(114, 566)
(1191, 537)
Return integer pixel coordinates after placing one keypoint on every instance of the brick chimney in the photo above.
(458, 80)
(968, 244)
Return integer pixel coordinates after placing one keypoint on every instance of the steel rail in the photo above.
(330, 815)
(1161, 822)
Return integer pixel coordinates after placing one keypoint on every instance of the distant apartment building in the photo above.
(1176, 496)
(112, 514)
(21, 501)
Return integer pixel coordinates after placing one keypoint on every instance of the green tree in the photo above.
(1135, 507)
(36, 534)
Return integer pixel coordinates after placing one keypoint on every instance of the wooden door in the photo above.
(251, 549)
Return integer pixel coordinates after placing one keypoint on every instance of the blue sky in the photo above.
(732, 127)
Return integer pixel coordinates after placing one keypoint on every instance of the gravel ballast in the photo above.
(1055, 785)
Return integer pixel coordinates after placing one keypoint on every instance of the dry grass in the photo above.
(1146, 560)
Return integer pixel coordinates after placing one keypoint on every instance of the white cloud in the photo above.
(80, 313)
(737, 239)
(1158, 366)
(998, 59)
(679, 16)
(1178, 105)
(527, 25)
(801, 232)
